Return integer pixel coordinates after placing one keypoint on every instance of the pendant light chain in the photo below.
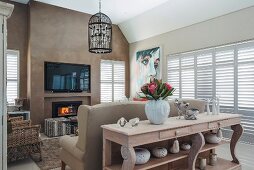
(99, 5)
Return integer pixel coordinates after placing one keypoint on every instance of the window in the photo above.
(112, 81)
(12, 75)
(225, 71)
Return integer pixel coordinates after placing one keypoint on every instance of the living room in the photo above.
(94, 84)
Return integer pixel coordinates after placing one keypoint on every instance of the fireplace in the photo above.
(65, 108)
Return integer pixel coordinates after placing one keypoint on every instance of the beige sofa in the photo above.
(85, 151)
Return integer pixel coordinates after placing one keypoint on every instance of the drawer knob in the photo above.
(177, 132)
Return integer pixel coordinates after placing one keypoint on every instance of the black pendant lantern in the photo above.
(100, 33)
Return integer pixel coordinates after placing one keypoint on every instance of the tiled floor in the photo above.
(27, 164)
(244, 152)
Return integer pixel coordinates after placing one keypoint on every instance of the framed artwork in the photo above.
(147, 66)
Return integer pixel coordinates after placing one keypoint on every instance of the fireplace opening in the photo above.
(65, 108)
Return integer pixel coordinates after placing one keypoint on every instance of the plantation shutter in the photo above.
(226, 72)
(187, 76)
(246, 86)
(112, 81)
(119, 81)
(204, 75)
(106, 82)
(224, 59)
(12, 76)
(174, 74)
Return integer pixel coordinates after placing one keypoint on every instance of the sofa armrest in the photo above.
(68, 143)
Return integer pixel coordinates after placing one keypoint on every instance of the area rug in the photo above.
(50, 151)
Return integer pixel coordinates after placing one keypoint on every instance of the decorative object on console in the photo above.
(202, 163)
(121, 122)
(100, 33)
(157, 109)
(142, 155)
(134, 121)
(182, 107)
(213, 159)
(185, 146)
(175, 148)
(216, 106)
(214, 138)
(191, 114)
(208, 106)
(159, 152)
(147, 64)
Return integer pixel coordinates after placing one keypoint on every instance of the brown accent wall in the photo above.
(60, 35)
(17, 26)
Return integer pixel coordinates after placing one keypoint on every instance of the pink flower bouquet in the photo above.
(156, 90)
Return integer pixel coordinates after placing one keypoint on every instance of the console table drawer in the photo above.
(214, 125)
(174, 133)
(229, 122)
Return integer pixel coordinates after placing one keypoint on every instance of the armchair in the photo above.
(23, 139)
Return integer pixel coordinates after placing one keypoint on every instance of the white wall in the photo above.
(233, 27)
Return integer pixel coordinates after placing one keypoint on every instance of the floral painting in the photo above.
(147, 66)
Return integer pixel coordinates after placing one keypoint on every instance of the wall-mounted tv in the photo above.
(66, 77)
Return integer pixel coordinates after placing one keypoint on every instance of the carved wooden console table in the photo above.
(146, 133)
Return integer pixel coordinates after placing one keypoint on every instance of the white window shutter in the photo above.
(12, 75)
(204, 76)
(187, 77)
(106, 82)
(112, 81)
(225, 79)
(173, 74)
(119, 81)
(246, 87)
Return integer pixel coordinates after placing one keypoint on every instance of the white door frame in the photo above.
(2, 98)
(5, 12)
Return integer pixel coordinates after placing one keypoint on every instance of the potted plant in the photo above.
(157, 109)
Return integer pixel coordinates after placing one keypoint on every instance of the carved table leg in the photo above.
(238, 130)
(198, 142)
(129, 156)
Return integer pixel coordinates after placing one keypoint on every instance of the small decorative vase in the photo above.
(202, 163)
(157, 111)
(212, 159)
(159, 152)
(185, 146)
(175, 148)
(142, 156)
(214, 138)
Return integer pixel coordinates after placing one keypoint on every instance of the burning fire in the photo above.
(64, 110)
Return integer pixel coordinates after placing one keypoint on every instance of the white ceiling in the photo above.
(175, 14)
(117, 10)
(141, 19)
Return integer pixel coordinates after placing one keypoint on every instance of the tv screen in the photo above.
(63, 77)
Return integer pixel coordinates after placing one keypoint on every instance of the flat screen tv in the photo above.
(63, 77)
